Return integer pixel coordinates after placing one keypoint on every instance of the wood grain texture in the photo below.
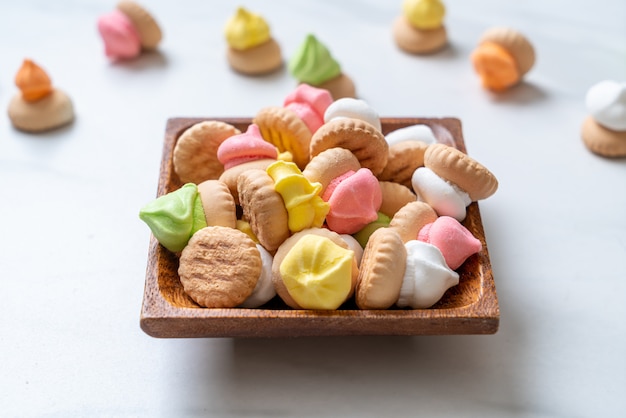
(471, 307)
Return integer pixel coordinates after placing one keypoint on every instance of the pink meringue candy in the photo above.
(354, 199)
(121, 38)
(455, 242)
(310, 104)
(426, 277)
(246, 147)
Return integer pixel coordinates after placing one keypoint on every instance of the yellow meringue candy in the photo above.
(317, 273)
(246, 30)
(244, 226)
(424, 14)
(304, 205)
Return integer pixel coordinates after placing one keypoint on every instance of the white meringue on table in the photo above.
(606, 103)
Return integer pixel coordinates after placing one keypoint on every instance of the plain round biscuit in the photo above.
(195, 153)
(283, 128)
(418, 41)
(366, 143)
(515, 43)
(264, 208)
(460, 169)
(330, 164)
(218, 204)
(231, 176)
(260, 59)
(381, 271)
(404, 158)
(149, 31)
(50, 112)
(339, 87)
(411, 218)
(395, 197)
(219, 267)
(603, 141)
(289, 243)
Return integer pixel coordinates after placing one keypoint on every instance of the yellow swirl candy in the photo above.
(246, 30)
(424, 14)
(305, 207)
(317, 273)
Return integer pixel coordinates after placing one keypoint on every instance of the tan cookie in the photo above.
(513, 42)
(404, 158)
(50, 112)
(289, 243)
(603, 141)
(260, 59)
(395, 197)
(195, 153)
(218, 204)
(458, 168)
(219, 267)
(339, 87)
(365, 141)
(381, 271)
(231, 176)
(283, 128)
(264, 208)
(330, 164)
(418, 41)
(149, 31)
(411, 218)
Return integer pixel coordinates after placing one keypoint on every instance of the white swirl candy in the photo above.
(606, 102)
(445, 198)
(352, 108)
(418, 132)
(264, 290)
(426, 277)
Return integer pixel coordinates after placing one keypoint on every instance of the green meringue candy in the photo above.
(312, 63)
(174, 217)
(364, 234)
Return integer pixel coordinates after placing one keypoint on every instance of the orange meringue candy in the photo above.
(496, 67)
(33, 81)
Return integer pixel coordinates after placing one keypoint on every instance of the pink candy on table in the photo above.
(121, 39)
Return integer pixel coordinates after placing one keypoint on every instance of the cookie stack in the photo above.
(310, 206)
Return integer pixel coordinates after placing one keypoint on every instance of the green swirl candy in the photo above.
(312, 63)
(173, 218)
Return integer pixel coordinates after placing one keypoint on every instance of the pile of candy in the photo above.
(313, 204)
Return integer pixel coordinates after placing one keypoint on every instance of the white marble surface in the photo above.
(74, 251)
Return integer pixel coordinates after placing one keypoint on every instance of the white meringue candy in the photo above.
(445, 198)
(417, 132)
(354, 245)
(606, 103)
(352, 108)
(264, 290)
(426, 277)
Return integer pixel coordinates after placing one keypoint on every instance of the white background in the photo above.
(73, 251)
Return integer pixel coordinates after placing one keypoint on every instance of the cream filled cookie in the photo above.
(604, 130)
(313, 64)
(502, 58)
(420, 28)
(251, 48)
(38, 106)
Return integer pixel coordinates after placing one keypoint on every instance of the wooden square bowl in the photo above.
(471, 307)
